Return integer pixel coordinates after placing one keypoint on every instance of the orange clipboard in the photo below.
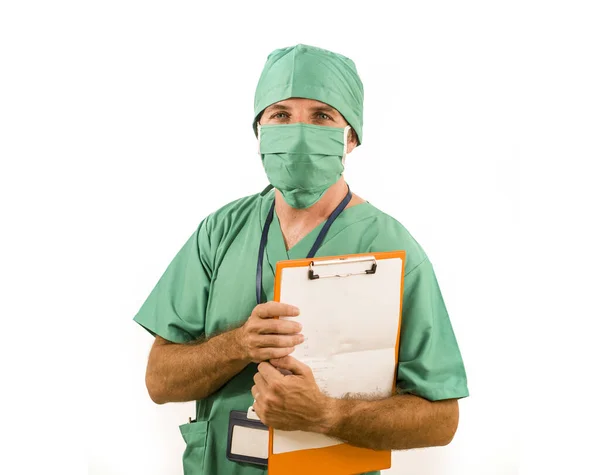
(341, 459)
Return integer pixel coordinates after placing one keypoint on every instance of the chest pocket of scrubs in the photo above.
(195, 435)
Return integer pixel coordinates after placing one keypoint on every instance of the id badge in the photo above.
(247, 439)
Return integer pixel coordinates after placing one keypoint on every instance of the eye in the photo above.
(323, 116)
(280, 115)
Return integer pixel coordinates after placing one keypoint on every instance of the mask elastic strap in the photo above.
(346, 134)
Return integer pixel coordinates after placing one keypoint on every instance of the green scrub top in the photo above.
(210, 287)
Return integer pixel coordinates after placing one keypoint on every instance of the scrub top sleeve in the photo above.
(176, 307)
(430, 364)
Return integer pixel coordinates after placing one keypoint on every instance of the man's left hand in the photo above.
(291, 402)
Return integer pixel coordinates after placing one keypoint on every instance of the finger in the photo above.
(259, 411)
(267, 354)
(281, 327)
(269, 373)
(259, 381)
(292, 364)
(254, 392)
(275, 309)
(278, 341)
(260, 389)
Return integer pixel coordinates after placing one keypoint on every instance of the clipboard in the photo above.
(356, 282)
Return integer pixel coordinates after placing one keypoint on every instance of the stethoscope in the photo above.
(320, 238)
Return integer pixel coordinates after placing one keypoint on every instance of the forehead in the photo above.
(301, 103)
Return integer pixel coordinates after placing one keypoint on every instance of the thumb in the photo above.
(291, 364)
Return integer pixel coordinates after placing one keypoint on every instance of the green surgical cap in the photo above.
(312, 73)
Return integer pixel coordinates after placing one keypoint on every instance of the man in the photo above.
(214, 343)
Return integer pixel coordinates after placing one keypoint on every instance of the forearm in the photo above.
(187, 372)
(397, 423)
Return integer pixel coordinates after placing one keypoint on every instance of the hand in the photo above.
(292, 402)
(263, 337)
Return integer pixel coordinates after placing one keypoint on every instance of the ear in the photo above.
(257, 122)
(352, 141)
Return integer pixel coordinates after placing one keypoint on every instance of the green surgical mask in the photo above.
(301, 160)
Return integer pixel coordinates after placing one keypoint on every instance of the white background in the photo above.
(124, 123)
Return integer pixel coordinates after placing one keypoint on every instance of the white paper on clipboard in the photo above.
(350, 325)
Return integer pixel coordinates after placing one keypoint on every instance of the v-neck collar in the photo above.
(301, 249)
(276, 250)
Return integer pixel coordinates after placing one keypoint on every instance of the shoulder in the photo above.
(392, 235)
(233, 215)
(235, 208)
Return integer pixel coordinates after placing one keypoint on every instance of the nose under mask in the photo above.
(302, 160)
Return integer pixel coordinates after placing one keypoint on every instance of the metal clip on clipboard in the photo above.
(312, 275)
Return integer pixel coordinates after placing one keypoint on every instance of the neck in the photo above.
(318, 212)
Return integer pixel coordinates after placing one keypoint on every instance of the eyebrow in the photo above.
(277, 107)
(323, 109)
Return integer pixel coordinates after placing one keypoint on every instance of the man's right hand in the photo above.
(264, 337)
